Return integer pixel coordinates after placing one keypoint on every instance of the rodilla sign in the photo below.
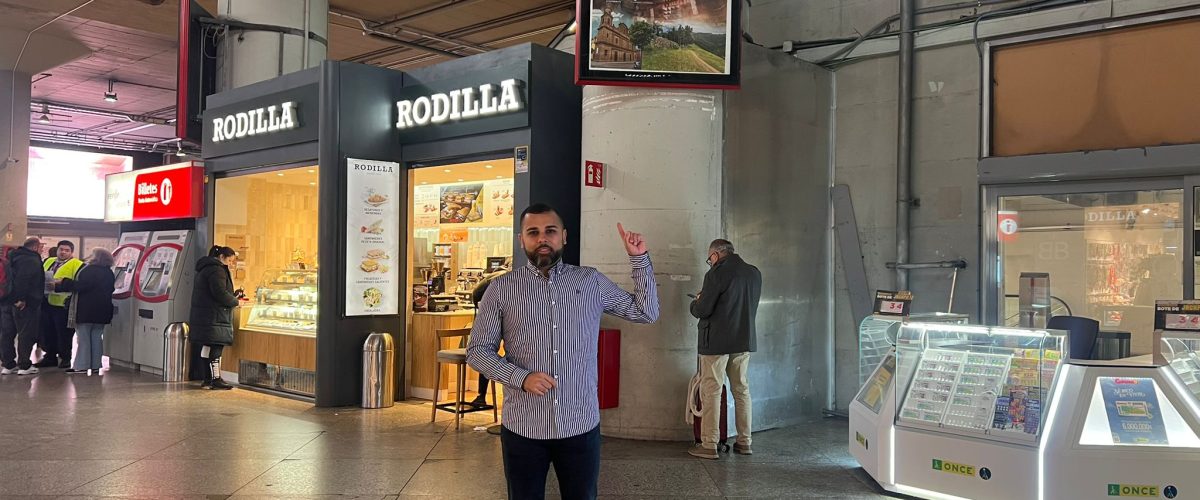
(167, 192)
(460, 104)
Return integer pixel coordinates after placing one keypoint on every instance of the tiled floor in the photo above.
(129, 435)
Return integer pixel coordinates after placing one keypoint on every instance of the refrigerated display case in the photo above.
(1180, 351)
(286, 303)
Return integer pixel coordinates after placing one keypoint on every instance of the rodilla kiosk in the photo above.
(118, 336)
(995, 413)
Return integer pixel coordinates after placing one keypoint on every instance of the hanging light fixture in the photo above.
(110, 96)
(179, 150)
(45, 118)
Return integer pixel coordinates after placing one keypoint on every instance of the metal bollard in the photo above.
(175, 352)
(379, 373)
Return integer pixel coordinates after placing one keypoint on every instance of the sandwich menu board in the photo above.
(372, 235)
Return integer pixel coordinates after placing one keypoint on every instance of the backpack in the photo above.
(6, 272)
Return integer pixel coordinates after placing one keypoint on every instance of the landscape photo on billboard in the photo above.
(660, 36)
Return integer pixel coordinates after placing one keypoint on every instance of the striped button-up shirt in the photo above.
(551, 325)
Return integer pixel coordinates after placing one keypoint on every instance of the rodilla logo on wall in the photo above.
(261, 121)
(458, 105)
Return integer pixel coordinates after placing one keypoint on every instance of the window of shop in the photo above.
(270, 220)
(461, 230)
(1110, 255)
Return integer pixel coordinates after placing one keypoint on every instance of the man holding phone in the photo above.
(727, 307)
(548, 315)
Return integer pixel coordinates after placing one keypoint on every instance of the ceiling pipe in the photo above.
(393, 38)
(126, 131)
(83, 110)
(458, 44)
(425, 12)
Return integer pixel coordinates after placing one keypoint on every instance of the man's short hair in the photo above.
(67, 243)
(33, 243)
(538, 209)
(721, 246)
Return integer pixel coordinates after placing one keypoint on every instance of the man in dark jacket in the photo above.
(727, 307)
(211, 321)
(20, 311)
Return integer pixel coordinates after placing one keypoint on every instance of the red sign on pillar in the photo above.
(1007, 226)
(593, 174)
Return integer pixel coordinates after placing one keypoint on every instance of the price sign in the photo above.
(1177, 315)
(888, 303)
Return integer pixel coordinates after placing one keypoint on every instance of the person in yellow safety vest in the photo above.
(56, 339)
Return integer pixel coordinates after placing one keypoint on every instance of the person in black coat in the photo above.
(213, 300)
(91, 309)
(20, 309)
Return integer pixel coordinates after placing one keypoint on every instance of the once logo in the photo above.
(985, 473)
(954, 468)
(165, 192)
(1132, 490)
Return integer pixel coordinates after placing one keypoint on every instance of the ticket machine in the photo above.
(163, 293)
(118, 336)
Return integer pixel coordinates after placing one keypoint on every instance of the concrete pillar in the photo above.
(14, 146)
(663, 178)
(249, 56)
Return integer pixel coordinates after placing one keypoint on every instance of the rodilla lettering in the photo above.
(457, 105)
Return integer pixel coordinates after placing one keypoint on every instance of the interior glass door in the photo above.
(1110, 254)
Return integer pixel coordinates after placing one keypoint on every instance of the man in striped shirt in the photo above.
(548, 315)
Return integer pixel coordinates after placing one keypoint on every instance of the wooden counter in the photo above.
(424, 348)
(280, 349)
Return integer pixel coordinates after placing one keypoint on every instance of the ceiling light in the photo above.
(279, 174)
(44, 119)
(179, 149)
(460, 180)
(499, 176)
(424, 183)
(312, 184)
(110, 96)
(446, 171)
(488, 166)
(1145, 210)
(312, 171)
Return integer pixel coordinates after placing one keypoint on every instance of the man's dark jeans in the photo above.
(527, 461)
(20, 325)
(54, 338)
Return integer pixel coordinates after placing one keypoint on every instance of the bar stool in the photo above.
(457, 357)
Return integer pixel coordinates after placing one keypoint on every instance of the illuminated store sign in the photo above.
(458, 105)
(261, 121)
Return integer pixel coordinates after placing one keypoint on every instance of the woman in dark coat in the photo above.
(213, 300)
(91, 309)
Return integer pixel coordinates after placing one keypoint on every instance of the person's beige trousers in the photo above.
(713, 373)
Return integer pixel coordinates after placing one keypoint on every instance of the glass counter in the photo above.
(877, 335)
(1180, 350)
(286, 302)
(986, 382)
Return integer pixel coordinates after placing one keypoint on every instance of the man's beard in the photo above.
(543, 261)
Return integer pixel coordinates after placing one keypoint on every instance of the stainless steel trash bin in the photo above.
(379, 373)
(175, 352)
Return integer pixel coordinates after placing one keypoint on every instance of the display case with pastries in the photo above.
(286, 302)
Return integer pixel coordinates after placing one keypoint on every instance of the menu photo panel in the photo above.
(372, 237)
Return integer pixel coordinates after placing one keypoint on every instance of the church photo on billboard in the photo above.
(663, 43)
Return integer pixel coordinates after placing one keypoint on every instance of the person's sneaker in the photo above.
(702, 452)
(46, 363)
(742, 449)
(33, 370)
(220, 385)
(73, 371)
(8, 371)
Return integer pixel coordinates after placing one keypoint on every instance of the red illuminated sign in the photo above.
(1007, 226)
(156, 194)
